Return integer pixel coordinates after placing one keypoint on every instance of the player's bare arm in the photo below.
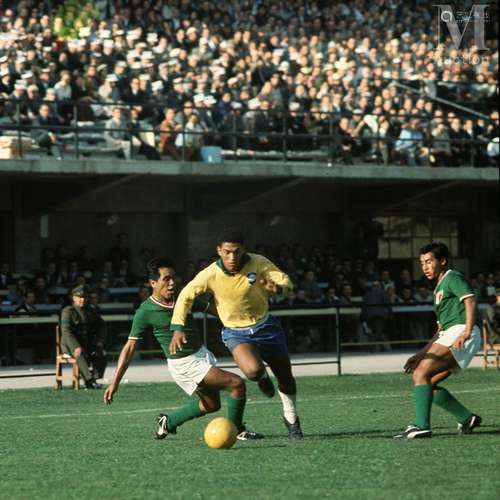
(470, 319)
(123, 361)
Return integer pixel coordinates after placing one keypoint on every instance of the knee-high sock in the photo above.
(235, 409)
(289, 406)
(183, 414)
(423, 403)
(448, 402)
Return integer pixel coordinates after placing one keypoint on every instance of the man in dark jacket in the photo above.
(82, 336)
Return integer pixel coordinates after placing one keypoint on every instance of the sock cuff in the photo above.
(230, 398)
(287, 395)
(423, 387)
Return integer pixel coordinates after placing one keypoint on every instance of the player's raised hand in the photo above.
(108, 394)
(270, 286)
(178, 339)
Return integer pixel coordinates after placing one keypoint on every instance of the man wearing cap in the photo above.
(82, 336)
(492, 316)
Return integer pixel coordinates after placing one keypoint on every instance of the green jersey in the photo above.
(155, 316)
(449, 294)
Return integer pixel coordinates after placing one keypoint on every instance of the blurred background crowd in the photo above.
(362, 80)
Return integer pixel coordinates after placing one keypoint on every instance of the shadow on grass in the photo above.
(482, 432)
(376, 433)
(244, 447)
(385, 434)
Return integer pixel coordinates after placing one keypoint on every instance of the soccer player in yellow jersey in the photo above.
(240, 284)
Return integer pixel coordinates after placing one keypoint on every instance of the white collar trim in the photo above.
(158, 303)
(442, 277)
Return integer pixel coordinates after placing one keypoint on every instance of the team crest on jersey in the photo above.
(439, 297)
(252, 278)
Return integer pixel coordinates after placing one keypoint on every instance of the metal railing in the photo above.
(313, 135)
(321, 329)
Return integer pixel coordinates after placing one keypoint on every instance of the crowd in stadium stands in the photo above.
(355, 79)
(321, 278)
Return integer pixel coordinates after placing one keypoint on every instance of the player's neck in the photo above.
(441, 274)
(162, 300)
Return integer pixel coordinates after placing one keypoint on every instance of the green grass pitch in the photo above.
(67, 445)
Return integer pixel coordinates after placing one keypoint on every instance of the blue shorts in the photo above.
(268, 336)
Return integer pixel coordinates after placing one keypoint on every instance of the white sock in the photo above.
(289, 409)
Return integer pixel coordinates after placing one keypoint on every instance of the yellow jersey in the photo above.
(240, 298)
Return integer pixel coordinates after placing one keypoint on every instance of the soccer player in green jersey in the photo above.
(453, 347)
(192, 366)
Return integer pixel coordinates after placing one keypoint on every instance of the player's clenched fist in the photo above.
(270, 286)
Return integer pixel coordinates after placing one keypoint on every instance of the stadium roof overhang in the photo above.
(210, 188)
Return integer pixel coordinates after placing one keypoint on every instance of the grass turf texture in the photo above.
(66, 444)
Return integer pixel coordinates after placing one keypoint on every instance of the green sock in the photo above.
(423, 402)
(448, 402)
(183, 414)
(235, 409)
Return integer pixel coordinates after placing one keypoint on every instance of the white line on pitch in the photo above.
(250, 402)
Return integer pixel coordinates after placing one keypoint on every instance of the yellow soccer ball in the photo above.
(220, 433)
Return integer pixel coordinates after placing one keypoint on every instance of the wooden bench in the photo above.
(65, 359)
(489, 346)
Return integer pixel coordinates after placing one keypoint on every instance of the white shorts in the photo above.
(464, 356)
(189, 371)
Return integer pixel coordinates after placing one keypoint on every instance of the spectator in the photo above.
(311, 288)
(331, 296)
(168, 134)
(28, 305)
(492, 317)
(124, 276)
(459, 146)
(409, 145)
(441, 151)
(409, 321)
(51, 275)
(143, 294)
(374, 314)
(121, 251)
(82, 336)
(45, 130)
(488, 291)
(40, 291)
(405, 281)
(348, 323)
(116, 133)
(190, 140)
(6, 278)
(424, 295)
(142, 139)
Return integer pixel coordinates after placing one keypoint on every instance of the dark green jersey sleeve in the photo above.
(140, 325)
(459, 286)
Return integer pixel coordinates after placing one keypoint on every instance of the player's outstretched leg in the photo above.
(437, 360)
(466, 420)
(208, 402)
(287, 390)
(168, 423)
